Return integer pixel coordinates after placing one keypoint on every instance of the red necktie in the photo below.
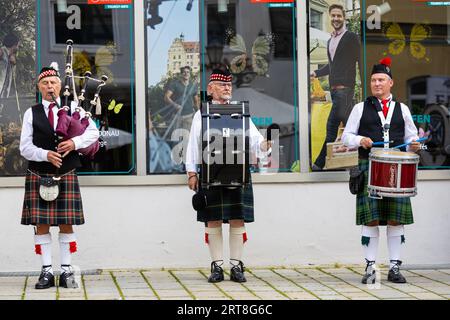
(385, 107)
(50, 115)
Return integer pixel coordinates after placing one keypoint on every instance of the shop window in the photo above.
(254, 40)
(98, 47)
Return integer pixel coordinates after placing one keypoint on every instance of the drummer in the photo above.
(364, 127)
(233, 206)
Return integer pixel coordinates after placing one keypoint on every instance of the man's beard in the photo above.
(338, 26)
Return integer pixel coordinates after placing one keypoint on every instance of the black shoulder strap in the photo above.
(371, 100)
(397, 103)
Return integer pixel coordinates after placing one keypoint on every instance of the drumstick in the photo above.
(407, 144)
(379, 143)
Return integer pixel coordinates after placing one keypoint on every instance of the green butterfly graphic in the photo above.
(260, 48)
(114, 106)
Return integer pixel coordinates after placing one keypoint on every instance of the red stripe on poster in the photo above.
(271, 1)
(110, 1)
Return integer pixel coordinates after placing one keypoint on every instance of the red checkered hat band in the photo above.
(220, 77)
(48, 73)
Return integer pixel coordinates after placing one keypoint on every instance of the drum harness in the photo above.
(386, 122)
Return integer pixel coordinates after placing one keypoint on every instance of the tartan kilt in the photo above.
(369, 209)
(228, 204)
(66, 209)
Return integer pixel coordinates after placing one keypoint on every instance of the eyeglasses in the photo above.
(223, 84)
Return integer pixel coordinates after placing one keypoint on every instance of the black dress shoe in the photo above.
(394, 274)
(46, 280)
(67, 280)
(216, 272)
(237, 273)
(370, 275)
(369, 278)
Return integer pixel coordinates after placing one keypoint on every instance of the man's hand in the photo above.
(414, 146)
(193, 181)
(12, 59)
(177, 106)
(265, 145)
(54, 158)
(366, 143)
(65, 147)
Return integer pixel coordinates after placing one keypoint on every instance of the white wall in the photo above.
(154, 226)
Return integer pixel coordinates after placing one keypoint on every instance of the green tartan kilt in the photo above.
(66, 209)
(386, 209)
(228, 204)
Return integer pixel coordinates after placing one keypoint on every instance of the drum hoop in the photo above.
(395, 195)
(386, 189)
(401, 155)
(396, 160)
(381, 195)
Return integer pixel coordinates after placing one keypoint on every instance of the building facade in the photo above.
(183, 53)
(129, 189)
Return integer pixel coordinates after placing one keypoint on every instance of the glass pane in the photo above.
(17, 79)
(103, 44)
(173, 88)
(335, 86)
(416, 35)
(256, 40)
(316, 19)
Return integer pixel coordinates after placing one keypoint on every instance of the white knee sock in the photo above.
(395, 238)
(369, 241)
(238, 237)
(67, 246)
(43, 247)
(214, 239)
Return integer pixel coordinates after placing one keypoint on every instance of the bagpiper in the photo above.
(52, 193)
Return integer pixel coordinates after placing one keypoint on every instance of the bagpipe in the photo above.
(70, 126)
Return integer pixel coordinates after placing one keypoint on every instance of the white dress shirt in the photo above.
(192, 154)
(350, 137)
(33, 153)
(334, 41)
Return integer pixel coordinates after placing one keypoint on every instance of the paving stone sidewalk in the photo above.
(263, 283)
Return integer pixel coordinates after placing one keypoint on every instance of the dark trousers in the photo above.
(340, 111)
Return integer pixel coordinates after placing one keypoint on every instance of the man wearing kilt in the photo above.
(364, 126)
(225, 205)
(48, 157)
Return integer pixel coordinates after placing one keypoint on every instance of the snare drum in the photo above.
(225, 145)
(392, 173)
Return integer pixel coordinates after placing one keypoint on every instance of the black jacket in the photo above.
(342, 70)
